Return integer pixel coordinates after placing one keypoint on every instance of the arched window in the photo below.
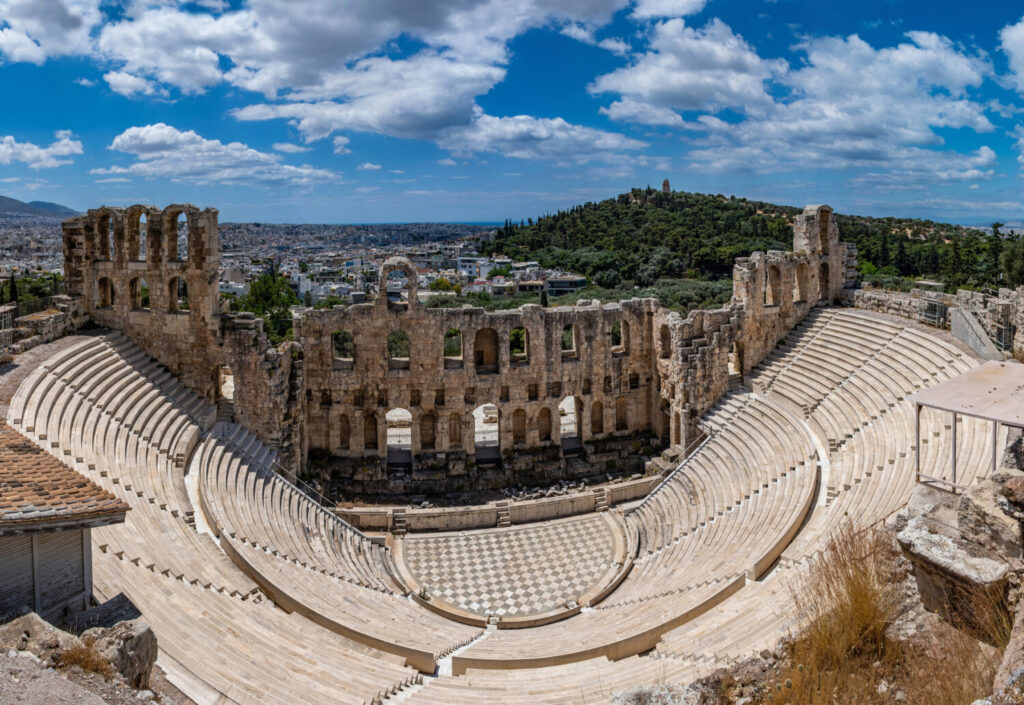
(519, 426)
(138, 292)
(544, 424)
(625, 336)
(452, 349)
(485, 351)
(615, 338)
(570, 347)
(105, 236)
(135, 226)
(177, 295)
(519, 346)
(486, 436)
(665, 343)
(455, 431)
(344, 347)
(427, 431)
(621, 420)
(772, 286)
(105, 293)
(676, 430)
(398, 350)
(597, 418)
(344, 433)
(823, 290)
(369, 432)
(177, 237)
(823, 227)
(800, 283)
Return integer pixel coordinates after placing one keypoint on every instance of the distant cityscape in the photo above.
(333, 263)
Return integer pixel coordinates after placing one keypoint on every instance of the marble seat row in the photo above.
(234, 651)
(308, 560)
(246, 499)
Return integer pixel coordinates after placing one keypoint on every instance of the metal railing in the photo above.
(688, 452)
(27, 308)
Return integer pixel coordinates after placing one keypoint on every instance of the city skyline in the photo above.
(477, 112)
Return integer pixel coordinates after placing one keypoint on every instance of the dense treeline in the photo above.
(646, 236)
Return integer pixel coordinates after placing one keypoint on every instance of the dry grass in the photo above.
(85, 657)
(842, 654)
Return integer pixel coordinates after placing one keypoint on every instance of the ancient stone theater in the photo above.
(720, 450)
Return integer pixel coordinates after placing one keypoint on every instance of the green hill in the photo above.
(645, 238)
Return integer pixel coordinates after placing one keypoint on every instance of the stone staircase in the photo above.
(504, 514)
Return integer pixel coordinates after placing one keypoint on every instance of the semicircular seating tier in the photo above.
(704, 576)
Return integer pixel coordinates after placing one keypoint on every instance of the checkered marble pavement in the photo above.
(513, 571)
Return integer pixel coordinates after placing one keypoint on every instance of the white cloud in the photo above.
(447, 161)
(368, 189)
(412, 97)
(341, 145)
(649, 9)
(36, 157)
(163, 151)
(87, 82)
(33, 30)
(1011, 41)
(586, 36)
(289, 148)
(1018, 133)
(526, 137)
(707, 69)
(853, 106)
(369, 166)
(113, 180)
(128, 85)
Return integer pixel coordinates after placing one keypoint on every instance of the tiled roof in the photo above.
(35, 487)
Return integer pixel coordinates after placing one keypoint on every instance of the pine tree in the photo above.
(13, 289)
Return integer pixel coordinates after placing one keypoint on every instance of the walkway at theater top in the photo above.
(993, 391)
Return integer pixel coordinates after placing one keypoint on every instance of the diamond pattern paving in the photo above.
(514, 571)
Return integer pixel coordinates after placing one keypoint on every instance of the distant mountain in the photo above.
(55, 208)
(11, 207)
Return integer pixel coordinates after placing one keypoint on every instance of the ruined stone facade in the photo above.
(635, 371)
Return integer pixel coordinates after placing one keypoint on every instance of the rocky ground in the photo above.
(43, 665)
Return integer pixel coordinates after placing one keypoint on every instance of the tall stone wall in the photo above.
(329, 391)
(115, 257)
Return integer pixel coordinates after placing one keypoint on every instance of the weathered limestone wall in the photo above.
(300, 397)
(699, 356)
(113, 257)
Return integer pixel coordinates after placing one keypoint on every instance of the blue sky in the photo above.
(478, 110)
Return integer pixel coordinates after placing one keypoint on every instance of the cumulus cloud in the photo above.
(447, 161)
(33, 30)
(128, 85)
(369, 166)
(36, 157)
(289, 148)
(854, 106)
(685, 68)
(586, 36)
(1011, 41)
(648, 9)
(411, 97)
(341, 145)
(161, 150)
(526, 137)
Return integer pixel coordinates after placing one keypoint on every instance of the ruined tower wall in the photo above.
(124, 265)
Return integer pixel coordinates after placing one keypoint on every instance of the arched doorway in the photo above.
(486, 439)
(569, 413)
(399, 438)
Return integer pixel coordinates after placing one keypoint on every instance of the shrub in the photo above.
(86, 657)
